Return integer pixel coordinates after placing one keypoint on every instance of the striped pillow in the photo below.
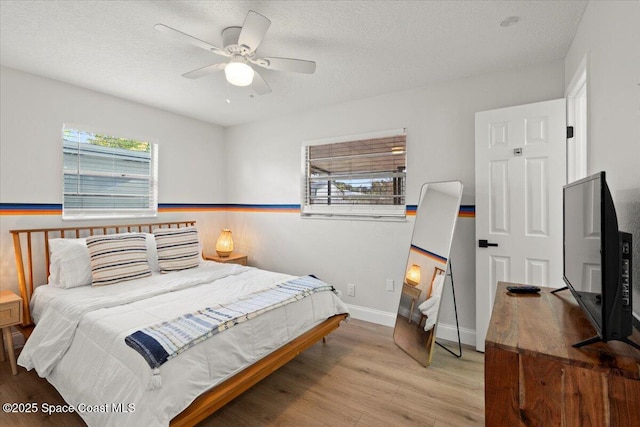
(178, 248)
(117, 258)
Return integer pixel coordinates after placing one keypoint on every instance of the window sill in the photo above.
(355, 217)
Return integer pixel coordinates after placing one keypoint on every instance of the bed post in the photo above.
(22, 281)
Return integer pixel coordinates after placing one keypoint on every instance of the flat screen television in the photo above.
(597, 259)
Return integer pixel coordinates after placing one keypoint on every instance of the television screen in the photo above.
(597, 259)
(582, 244)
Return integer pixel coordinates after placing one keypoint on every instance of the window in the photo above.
(107, 176)
(362, 175)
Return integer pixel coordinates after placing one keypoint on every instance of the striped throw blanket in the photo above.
(163, 341)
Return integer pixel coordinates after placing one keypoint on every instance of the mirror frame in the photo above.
(413, 339)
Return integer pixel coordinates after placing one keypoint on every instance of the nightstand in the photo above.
(234, 258)
(412, 292)
(10, 315)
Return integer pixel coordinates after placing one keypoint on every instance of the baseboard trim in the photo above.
(371, 315)
(444, 331)
(449, 333)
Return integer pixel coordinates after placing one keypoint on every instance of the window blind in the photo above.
(363, 177)
(106, 176)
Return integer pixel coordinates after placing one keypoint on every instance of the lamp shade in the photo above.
(224, 245)
(413, 275)
(239, 73)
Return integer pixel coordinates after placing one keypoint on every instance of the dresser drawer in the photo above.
(10, 313)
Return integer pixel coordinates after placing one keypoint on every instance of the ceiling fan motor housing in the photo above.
(230, 37)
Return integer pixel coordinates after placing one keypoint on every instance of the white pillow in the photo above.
(70, 265)
(152, 252)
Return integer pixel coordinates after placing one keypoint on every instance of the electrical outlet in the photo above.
(351, 290)
(390, 285)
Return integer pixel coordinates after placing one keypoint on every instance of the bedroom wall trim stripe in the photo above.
(30, 209)
(428, 254)
(284, 208)
(191, 207)
(466, 211)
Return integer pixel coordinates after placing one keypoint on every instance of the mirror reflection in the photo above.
(426, 268)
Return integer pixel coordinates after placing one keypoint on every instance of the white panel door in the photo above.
(520, 171)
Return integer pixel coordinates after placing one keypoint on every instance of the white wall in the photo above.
(609, 34)
(264, 168)
(32, 111)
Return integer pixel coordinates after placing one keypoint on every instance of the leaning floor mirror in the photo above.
(426, 269)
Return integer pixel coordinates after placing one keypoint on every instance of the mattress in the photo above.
(78, 343)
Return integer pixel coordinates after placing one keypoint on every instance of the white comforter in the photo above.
(78, 343)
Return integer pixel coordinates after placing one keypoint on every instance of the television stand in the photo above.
(631, 343)
(588, 341)
(534, 375)
(596, 338)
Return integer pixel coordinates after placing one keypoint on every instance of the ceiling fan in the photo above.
(239, 52)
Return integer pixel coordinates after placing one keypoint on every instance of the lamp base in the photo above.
(223, 254)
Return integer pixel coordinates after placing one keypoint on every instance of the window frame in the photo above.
(352, 211)
(150, 211)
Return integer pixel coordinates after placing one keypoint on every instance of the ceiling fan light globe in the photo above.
(239, 73)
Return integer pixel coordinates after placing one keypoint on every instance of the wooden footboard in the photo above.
(214, 399)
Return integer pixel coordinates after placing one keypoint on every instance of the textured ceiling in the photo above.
(362, 48)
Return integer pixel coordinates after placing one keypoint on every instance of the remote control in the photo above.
(523, 289)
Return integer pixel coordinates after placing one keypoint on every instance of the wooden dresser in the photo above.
(534, 377)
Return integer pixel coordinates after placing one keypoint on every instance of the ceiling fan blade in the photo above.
(287, 64)
(183, 37)
(253, 30)
(205, 71)
(259, 85)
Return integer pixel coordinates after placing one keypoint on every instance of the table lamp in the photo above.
(413, 275)
(224, 245)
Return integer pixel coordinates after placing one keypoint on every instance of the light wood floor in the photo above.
(358, 378)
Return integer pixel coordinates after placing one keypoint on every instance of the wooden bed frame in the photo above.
(211, 400)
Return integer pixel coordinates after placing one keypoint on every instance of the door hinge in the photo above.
(569, 132)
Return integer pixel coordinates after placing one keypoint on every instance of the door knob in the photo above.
(485, 244)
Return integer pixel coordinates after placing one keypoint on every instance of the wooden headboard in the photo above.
(34, 238)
